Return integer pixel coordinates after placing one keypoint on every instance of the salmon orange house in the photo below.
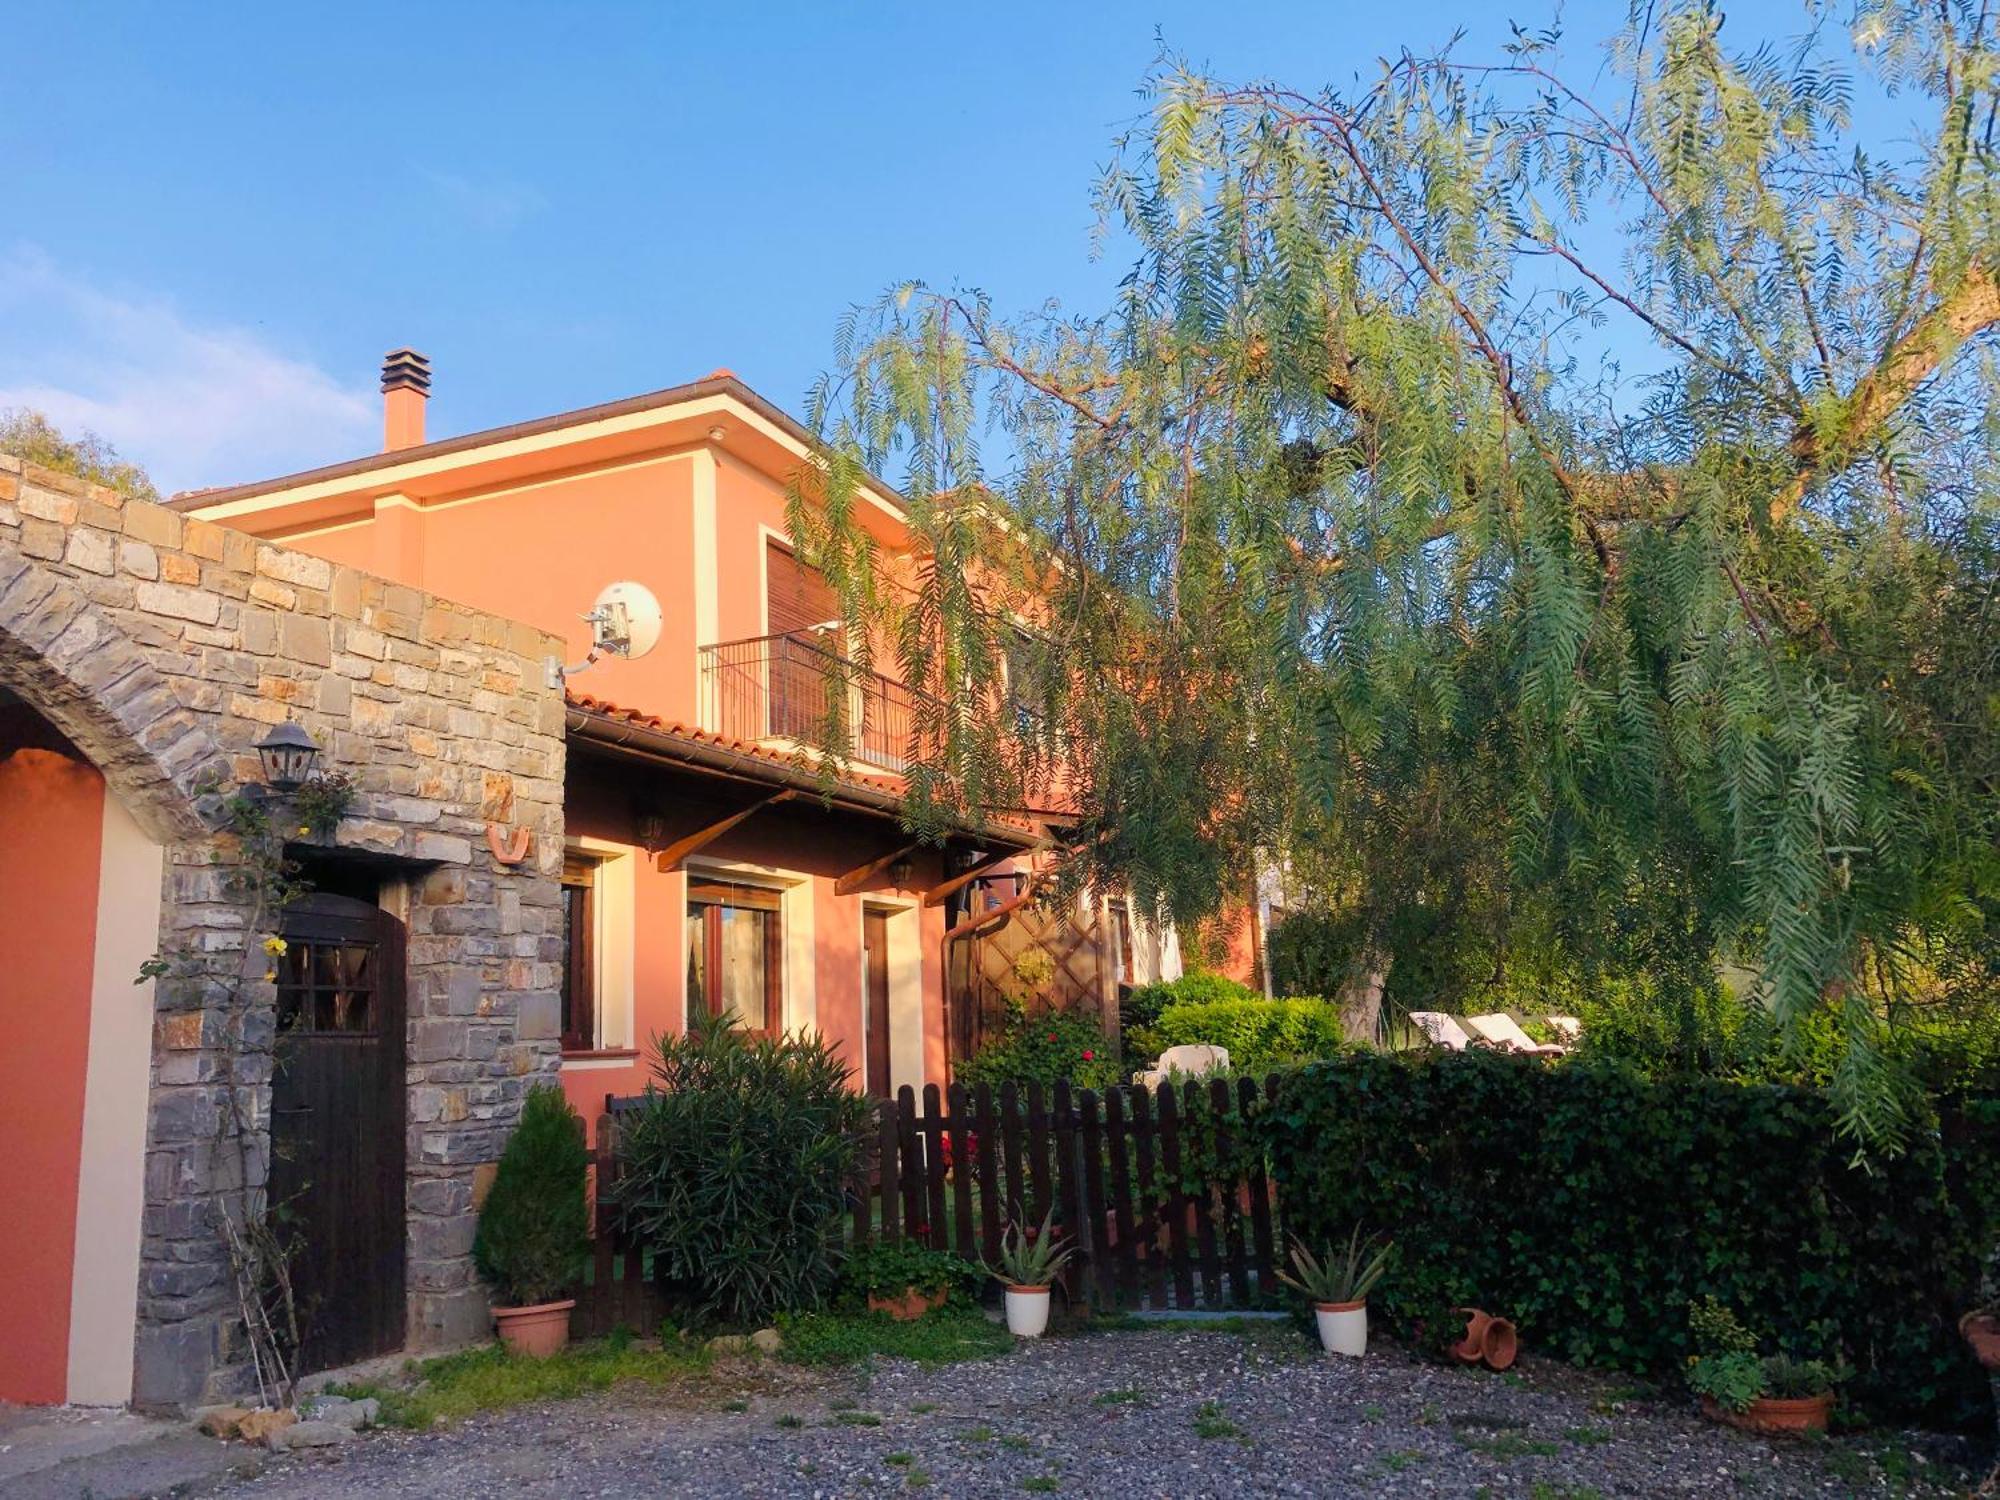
(708, 866)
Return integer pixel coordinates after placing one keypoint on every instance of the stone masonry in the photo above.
(164, 647)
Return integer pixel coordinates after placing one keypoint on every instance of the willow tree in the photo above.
(1567, 502)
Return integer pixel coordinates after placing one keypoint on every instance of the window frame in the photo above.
(581, 967)
(703, 912)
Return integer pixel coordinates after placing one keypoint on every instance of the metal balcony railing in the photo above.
(797, 687)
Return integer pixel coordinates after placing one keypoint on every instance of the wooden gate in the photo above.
(337, 1126)
(985, 965)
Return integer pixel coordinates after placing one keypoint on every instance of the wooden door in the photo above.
(875, 950)
(337, 1126)
(799, 605)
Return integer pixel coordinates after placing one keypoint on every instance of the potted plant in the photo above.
(1338, 1286)
(1774, 1393)
(904, 1279)
(1981, 1329)
(1029, 1262)
(533, 1239)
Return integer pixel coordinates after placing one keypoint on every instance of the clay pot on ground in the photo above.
(1488, 1340)
(1776, 1415)
(1343, 1327)
(537, 1331)
(1027, 1311)
(1982, 1331)
(907, 1305)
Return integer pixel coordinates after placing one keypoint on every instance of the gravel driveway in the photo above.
(1170, 1413)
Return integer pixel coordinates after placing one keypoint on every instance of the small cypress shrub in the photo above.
(533, 1239)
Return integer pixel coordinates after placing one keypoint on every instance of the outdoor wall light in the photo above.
(288, 753)
(900, 872)
(652, 831)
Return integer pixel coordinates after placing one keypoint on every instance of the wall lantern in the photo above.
(288, 753)
(900, 873)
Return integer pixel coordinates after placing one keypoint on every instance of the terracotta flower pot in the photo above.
(908, 1305)
(1493, 1341)
(1982, 1331)
(1027, 1311)
(1343, 1327)
(1776, 1415)
(537, 1331)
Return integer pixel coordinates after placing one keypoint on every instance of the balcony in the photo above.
(796, 688)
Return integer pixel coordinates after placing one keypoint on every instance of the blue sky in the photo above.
(220, 216)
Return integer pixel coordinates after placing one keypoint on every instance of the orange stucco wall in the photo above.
(51, 827)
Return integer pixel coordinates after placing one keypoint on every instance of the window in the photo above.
(327, 987)
(579, 976)
(736, 953)
(1026, 705)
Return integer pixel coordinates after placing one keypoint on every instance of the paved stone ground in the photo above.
(1157, 1413)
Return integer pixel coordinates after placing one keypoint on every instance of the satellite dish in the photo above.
(625, 620)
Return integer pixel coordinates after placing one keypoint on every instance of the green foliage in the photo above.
(533, 1237)
(733, 1171)
(1716, 1329)
(1042, 1049)
(1315, 952)
(888, 1268)
(32, 436)
(951, 1333)
(1339, 1276)
(1595, 1207)
(455, 1386)
(1143, 1003)
(1374, 546)
(1262, 1035)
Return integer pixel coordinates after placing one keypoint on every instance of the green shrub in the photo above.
(1261, 1035)
(1141, 1007)
(533, 1237)
(734, 1169)
(1313, 953)
(1594, 1206)
(1043, 1049)
(887, 1269)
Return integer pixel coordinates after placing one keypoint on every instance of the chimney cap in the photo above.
(405, 369)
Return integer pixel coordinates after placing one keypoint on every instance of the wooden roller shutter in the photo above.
(800, 596)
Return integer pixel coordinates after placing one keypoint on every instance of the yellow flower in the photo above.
(274, 946)
(305, 830)
(270, 975)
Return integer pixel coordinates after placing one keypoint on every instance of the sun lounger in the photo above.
(1502, 1030)
(1441, 1029)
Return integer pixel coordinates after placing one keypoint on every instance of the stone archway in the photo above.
(98, 685)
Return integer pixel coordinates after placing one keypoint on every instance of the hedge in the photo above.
(1141, 1007)
(1261, 1035)
(1592, 1206)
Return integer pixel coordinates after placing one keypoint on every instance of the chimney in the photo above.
(406, 386)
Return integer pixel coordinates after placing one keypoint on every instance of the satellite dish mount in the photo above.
(624, 621)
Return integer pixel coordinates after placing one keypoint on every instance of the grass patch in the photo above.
(458, 1385)
(739, 1404)
(1509, 1445)
(857, 1419)
(916, 1478)
(1042, 1484)
(1588, 1437)
(1395, 1463)
(900, 1460)
(1128, 1396)
(978, 1434)
(790, 1419)
(843, 1338)
(923, 1408)
(1015, 1441)
(1210, 1421)
(1543, 1490)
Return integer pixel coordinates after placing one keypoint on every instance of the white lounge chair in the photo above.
(1503, 1031)
(1569, 1028)
(1190, 1060)
(1440, 1029)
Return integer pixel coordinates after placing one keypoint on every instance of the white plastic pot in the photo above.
(1343, 1327)
(1027, 1311)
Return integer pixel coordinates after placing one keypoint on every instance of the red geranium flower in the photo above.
(1052, 1036)
(1088, 1055)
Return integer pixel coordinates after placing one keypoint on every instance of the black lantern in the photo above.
(288, 753)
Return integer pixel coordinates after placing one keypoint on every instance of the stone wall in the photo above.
(164, 646)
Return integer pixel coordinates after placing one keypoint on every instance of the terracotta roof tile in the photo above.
(894, 785)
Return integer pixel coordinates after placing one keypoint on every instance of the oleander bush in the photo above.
(1594, 1206)
(734, 1168)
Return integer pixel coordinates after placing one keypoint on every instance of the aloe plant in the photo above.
(1030, 1259)
(1335, 1277)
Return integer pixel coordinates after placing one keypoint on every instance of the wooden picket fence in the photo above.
(1120, 1171)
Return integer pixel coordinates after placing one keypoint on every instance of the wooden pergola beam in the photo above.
(672, 857)
(860, 875)
(938, 894)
